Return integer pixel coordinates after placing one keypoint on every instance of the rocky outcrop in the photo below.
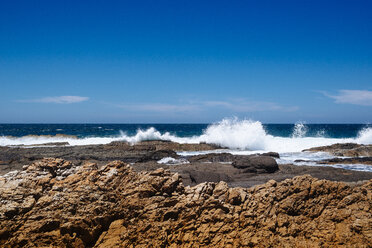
(13, 158)
(236, 170)
(345, 150)
(165, 145)
(56, 203)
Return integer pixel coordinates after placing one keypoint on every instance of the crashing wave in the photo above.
(230, 133)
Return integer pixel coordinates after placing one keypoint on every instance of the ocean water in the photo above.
(237, 136)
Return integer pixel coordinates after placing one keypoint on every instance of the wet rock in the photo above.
(271, 154)
(256, 164)
(157, 155)
(13, 158)
(164, 145)
(48, 144)
(355, 160)
(346, 150)
(212, 157)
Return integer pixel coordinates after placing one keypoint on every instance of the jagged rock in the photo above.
(114, 206)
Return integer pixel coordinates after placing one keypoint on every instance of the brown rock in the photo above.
(114, 206)
(346, 150)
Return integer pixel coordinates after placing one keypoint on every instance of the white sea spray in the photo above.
(243, 135)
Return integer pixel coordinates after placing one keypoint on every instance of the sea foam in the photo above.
(230, 133)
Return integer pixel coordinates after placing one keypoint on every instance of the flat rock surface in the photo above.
(199, 172)
(56, 203)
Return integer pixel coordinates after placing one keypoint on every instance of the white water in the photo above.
(238, 136)
(306, 158)
(230, 133)
(173, 161)
(299, 130)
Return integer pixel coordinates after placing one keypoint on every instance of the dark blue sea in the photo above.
(181, 130)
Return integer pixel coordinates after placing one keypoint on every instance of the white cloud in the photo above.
(59, 99)
(356, 97)
(239, 105)
(242, 105)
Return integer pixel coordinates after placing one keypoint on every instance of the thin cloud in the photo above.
(356, 97)
(160, 107)
(59, 99)
(243, 105)
(240, 105)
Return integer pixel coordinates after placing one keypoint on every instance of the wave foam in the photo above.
(230, 133)
(365, 136)
(299, 130)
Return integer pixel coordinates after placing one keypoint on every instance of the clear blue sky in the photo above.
(185, 61)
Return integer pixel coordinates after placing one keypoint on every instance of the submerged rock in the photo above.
(53, 202)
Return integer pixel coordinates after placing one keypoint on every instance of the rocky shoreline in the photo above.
(80, 198)
(236, 170)
(55, 203)
(345, 150)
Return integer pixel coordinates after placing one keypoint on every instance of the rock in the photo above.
(234, 197)
(157, 155)
(256, 164)
(49, 144)
(165, 145)
(114, 206)
(198, 172)
(212, 157)
(360, 154)
(271, 154)
(355, 160)
(226, 157)
(13, 158)
(346, 150)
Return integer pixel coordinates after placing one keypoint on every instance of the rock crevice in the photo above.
(54, 202)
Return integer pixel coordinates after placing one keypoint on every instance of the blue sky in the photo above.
(185, 61)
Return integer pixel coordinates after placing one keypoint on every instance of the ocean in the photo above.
(237, 136)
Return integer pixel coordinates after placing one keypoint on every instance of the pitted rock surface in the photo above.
(54, 203)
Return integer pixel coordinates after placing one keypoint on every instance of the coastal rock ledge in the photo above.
(53, 203)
